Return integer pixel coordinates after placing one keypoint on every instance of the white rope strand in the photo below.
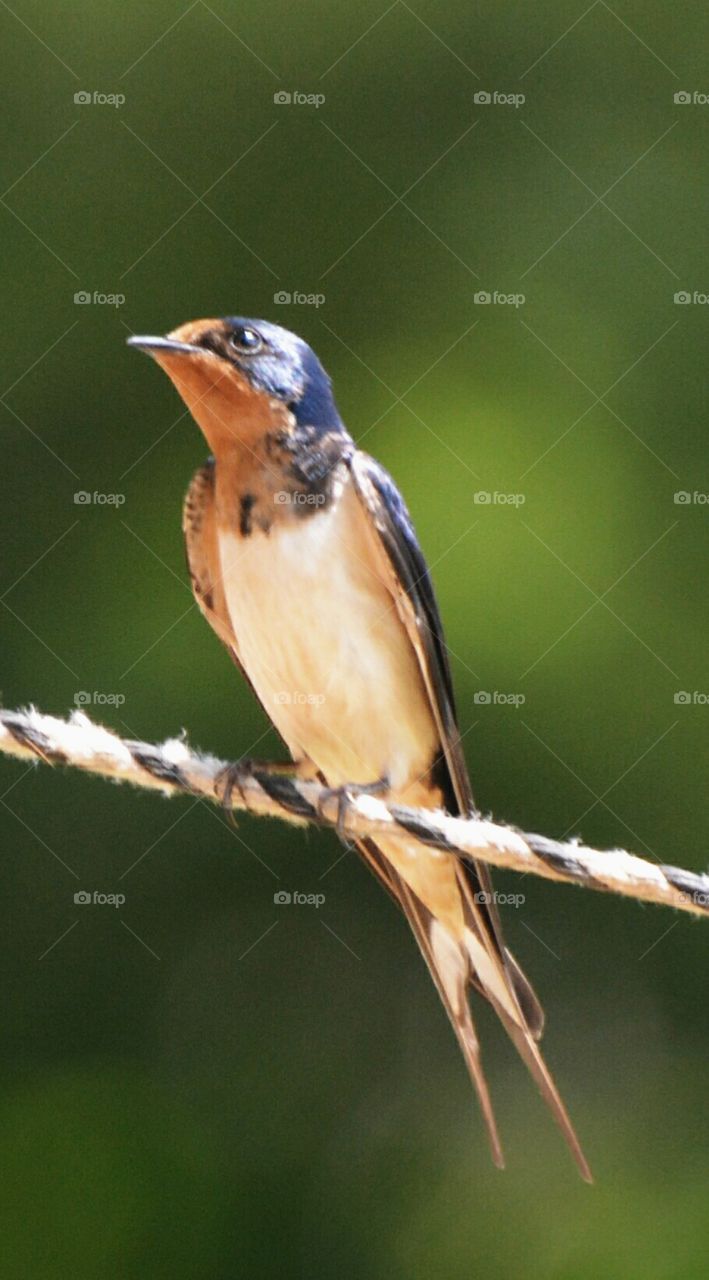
(173, 768)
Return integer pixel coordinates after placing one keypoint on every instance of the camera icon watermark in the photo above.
(493, 498)
(297, 698)
(486, 898)
(86, 298)
(284, 298)
(97, 899)
(496, 698)
(282, 898)
(82, 498)
(298, 498)
(685, 298)
(683, 498)
(286, 98)
(94, 98)
(684, 98)
(485, 299)
(484, 98)
(84, 698)
(683, 698)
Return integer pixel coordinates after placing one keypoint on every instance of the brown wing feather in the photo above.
(460, 1017)
(199, 526)
(406, 572)
(526, 1046)
(404, 568)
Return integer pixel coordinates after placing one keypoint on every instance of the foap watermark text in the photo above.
(95, 298)
(82, 498)
(483, 298)
(496, 98)
(296, 298)
(501, 899)
(691, 298)
(283, 898)
(94, 98)
(497, 698)
(493, 498)
(683, 498)
(84, 898)
(298, 499)
(294, 98)
(84, 698)
(690, 98)
(297, 698)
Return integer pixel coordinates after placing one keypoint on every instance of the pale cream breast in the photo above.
(322, 642)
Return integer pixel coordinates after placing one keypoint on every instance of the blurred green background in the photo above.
(203, 1083)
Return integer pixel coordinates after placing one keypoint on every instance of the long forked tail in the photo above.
(456, 964)
(448, 966)
(502, 982)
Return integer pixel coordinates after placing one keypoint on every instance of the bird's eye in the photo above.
(246, 340)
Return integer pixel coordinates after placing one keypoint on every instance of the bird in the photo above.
(304, 560)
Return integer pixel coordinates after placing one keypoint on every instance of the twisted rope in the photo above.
(173, 768)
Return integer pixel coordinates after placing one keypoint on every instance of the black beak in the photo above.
(149, 344)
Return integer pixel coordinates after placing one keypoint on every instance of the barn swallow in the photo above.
(304, 560)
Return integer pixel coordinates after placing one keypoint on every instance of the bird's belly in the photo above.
(325, 649)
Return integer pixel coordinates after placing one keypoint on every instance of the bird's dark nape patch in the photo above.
(315, 407)
(307, 461)
(247, 502)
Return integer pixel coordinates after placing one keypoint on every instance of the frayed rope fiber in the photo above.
(172, 767)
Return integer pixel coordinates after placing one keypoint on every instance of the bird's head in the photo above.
(241, 378)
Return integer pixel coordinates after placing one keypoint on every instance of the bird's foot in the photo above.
(350, 791)
(231, 778)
